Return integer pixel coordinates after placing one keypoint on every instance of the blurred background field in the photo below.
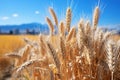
(11, 43)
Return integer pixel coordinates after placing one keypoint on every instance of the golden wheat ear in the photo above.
(112, 54)
(80, 35)
(50, 25)
(62, 29)
(53, 53)
(71, 34)
(28, 63)
(42, 45)
(30, 42)
(62, 47)
(13, 55)
(81, 24)
(53, 16)
(87, 27)
(68, 19)
(96, 15)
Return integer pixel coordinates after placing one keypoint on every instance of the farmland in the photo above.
(11, 43)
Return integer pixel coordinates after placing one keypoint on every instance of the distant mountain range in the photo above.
(37, 27)
(114, 28)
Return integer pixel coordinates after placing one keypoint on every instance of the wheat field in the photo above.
(10, 43)
(82, 52)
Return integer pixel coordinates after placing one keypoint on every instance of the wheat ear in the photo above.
(87, 27)
(53, 16)
(42, 45)
(54, 55)
(80, 33)
(14, 55)
(51, 26)
(26, 53)
(112, 52)
(68, 19)
(71, 34)
(62, 29)
(62, 47)
(31, 43)
(106, 35)
(28, 63)
(96, 15)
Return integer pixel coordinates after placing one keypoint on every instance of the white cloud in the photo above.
(37, 12)
(15, 15)
(5, 18)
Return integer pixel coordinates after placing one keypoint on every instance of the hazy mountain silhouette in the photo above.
(41, 28)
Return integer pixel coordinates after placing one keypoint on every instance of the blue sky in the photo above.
(27, 11)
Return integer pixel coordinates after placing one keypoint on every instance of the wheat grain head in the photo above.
(96, 15)
(53, 16)
(51, 26)
(68, 19)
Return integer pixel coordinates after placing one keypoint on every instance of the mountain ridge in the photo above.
(37, 27)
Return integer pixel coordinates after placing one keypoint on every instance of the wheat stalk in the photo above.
(51, 75)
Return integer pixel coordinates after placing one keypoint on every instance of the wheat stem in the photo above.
(112, 75)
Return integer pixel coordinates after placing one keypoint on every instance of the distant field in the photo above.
(116, 37)
(10, 43)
